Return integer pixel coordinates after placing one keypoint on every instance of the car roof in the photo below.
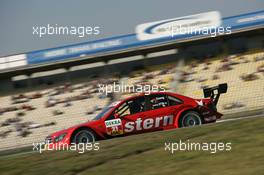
(146, 94)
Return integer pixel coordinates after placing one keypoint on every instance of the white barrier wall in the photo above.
(13, 61)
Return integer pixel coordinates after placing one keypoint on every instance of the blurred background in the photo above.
(51, 83)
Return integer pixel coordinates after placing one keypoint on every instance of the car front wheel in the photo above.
(84, 136)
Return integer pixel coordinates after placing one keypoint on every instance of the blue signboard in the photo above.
(133, 40)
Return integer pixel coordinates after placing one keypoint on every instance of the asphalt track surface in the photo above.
(219, 121)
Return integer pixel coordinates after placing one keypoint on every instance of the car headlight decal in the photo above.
(59, 138)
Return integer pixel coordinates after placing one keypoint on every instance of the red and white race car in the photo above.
(145, 113)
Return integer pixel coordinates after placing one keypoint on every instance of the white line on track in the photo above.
(240, 118)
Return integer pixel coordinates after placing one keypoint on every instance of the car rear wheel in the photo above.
(84, 136)
(190, 118)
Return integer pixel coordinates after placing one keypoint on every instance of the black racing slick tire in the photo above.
(189, 119)
(84, 136)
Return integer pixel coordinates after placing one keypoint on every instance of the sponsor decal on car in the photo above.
(148, 123)
(114, 127)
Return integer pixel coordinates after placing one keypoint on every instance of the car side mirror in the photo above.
(116, 115)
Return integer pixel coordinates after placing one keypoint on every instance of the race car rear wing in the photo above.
(214, 92)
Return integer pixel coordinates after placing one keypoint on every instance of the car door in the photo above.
(162, 108)
(133, 121)
(127, 118)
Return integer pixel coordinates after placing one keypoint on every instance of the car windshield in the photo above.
(103, 112)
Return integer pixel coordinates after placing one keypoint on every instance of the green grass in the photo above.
(145, 154)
